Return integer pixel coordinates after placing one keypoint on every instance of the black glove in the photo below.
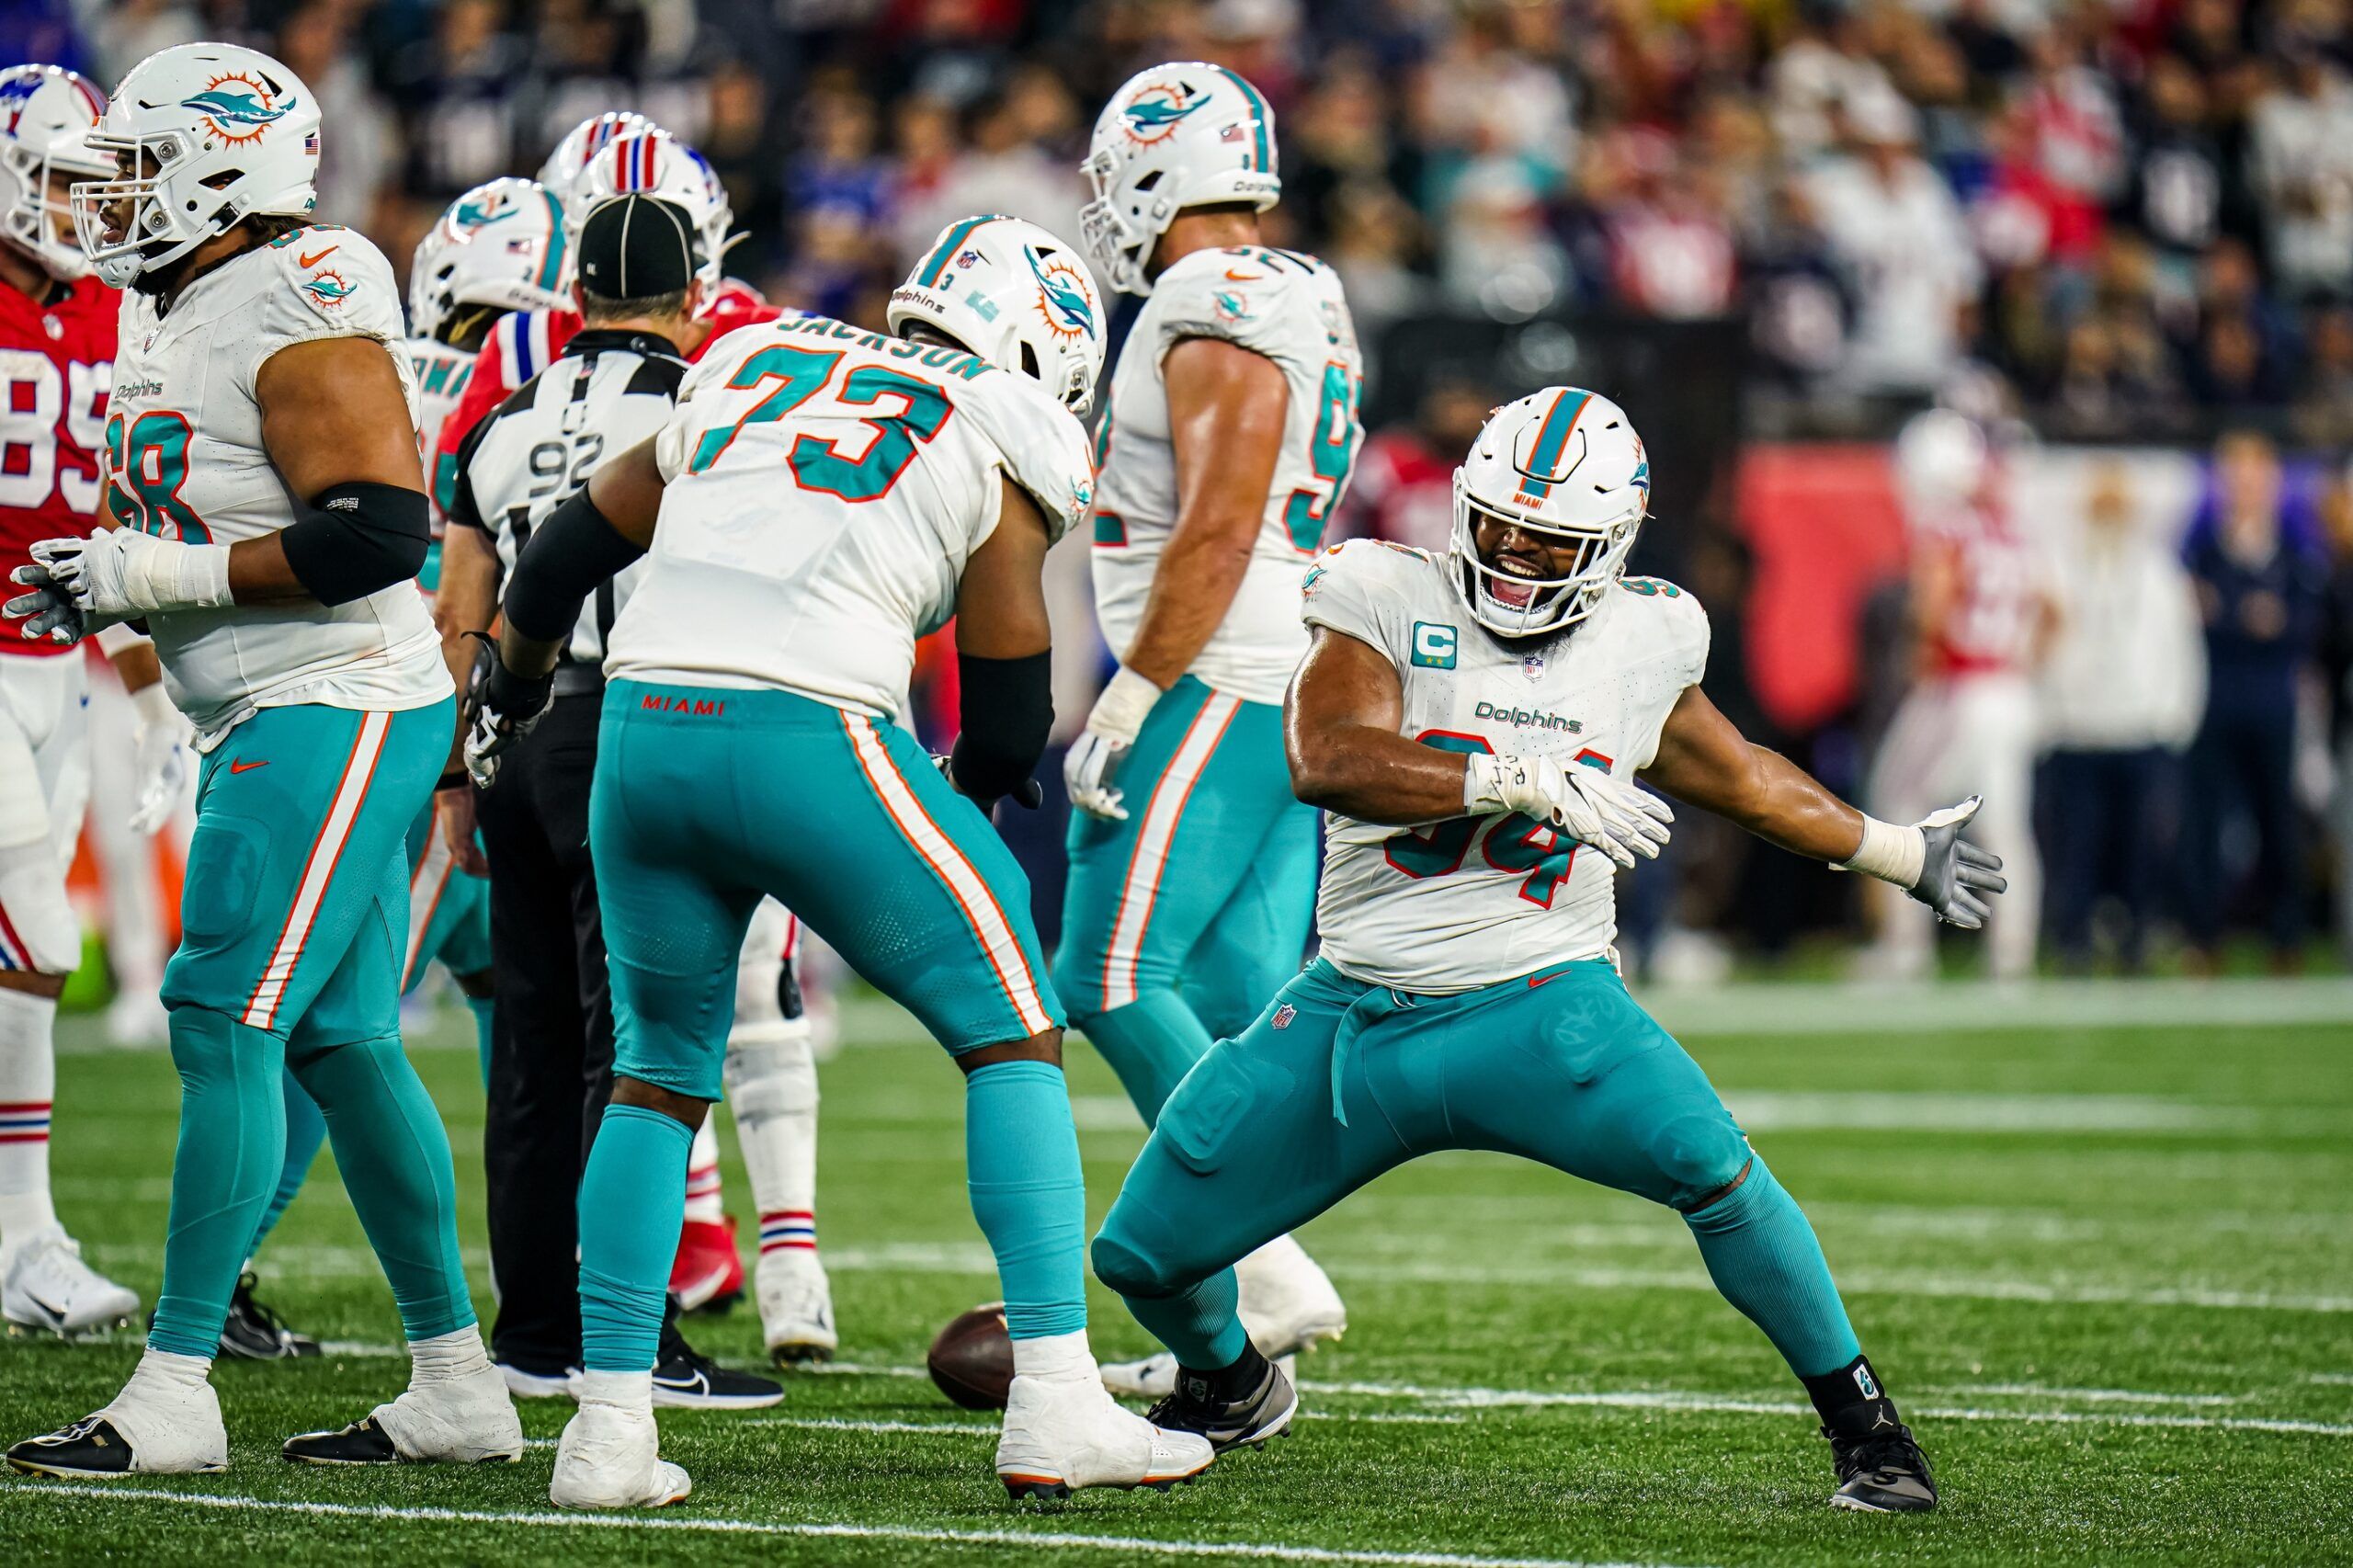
(501, 707)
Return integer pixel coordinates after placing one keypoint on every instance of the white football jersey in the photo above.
(185, 455)
(1288, 307)
(825, 488)
(442, 373)
(1475, 900)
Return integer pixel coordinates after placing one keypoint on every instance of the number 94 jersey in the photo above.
(185, 455)
(1473, 901)
(1288, 308)
(823, 488)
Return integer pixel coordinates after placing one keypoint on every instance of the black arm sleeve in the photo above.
(355, 538)
(568, 556)
(1008, 708)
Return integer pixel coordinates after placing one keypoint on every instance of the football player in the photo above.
(269, 519)
(1230, 433)
(1474, 724)
(57, 343)
(759, 668)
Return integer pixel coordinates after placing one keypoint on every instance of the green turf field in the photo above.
(2109, 1273)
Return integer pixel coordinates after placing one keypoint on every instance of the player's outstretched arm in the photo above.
(1704, 761)
(1005, 659)
(603, 527)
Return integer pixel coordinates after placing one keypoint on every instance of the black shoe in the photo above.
(687, 1380)
(1205, 1405)
(254, 1333)
(89, 1447)
(1880, 1469)
(362, 1442)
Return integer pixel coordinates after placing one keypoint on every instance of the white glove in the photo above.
(1586, 803)
(1111, 729)
(119, 574)
(159, 758)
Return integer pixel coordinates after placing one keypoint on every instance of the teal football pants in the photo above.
(1340, 1081)
(1178, 923)
(292, 914)
(707, 800)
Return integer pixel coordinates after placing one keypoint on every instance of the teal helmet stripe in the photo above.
(1260, 115)
(1559, 420)
(553, 268)
(948, 245)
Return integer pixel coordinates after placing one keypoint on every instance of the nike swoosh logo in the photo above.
(315, 257)
(1235, 276)
(247, 766)
(1536, 980)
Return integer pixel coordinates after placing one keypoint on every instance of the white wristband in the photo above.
(113, 640)
(1481, 789)
(1889, 853)
(169, 575)
(1119, 714)
(153, 705)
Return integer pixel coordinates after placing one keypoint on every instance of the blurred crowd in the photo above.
(2139, 210)
(2133, 217)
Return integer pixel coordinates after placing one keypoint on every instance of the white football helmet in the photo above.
(1565, 465)
(581, 142)
(651, 161)
(500, 246)
(231, 134)
(46, 115)
(1942, 460)
(1015, 295)
(1186, 134)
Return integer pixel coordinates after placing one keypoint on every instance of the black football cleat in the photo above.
(89, 1447)
(1880, 1469)
(1207, 1406)
(687, 1380)
(362, 1442)
(254, 1333)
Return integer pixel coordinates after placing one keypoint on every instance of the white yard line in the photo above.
(1027, 1541)
(976, 1429)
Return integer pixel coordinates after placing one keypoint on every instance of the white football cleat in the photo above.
(460, 1420)
(796, 1306)
(152, 1427)
(1287, 1303)
(1064, 1434)
(610, 1457)
(541, 1385)
(49, 1288)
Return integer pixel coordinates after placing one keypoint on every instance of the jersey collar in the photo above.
(598, 339)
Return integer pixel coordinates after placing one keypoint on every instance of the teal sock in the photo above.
(481, 1009)
(1763, 1255)
(1028, 1193)
(632, 1204)
(305, 1130)
(1202, 1325)
(230, 1156)
(1151, 1043)
(394, 1156)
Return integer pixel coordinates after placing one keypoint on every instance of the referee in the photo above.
(552, 1039)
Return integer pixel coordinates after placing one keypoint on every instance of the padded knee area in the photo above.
(1698, 1154)
(1125, 1268)
(33, 897)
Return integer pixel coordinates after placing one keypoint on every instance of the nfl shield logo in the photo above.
(970, 258)
(1532, 666)
(1284, 1014)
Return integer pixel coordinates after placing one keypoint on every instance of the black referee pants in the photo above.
(552, 1039)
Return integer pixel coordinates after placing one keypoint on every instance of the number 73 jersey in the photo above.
(1288, 308)
(824, 487)
(1475, 900)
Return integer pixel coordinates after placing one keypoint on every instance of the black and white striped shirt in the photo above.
(609, 391)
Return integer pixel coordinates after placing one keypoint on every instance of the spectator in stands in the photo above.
(2337, 676)
(2260, 587)
(2121, 692)
(1894, 226)
(2301, 154)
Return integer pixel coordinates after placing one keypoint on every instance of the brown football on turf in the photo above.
(972, 1358)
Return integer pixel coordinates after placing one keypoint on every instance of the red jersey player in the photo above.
(57, 340)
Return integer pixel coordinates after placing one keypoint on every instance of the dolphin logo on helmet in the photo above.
(1062, 295)
(238, 115)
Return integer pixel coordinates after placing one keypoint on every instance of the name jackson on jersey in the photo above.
(1477, 900)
